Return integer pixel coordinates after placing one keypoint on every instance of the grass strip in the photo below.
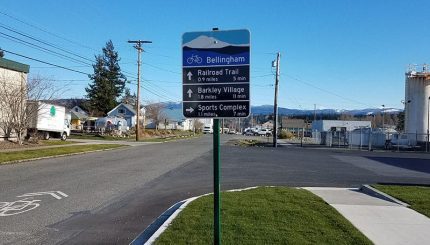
(184, 137)
(132, 138)
(56, 142)
(100, 137)
(264, 215)
(248, 142)
(30, 154)
(418, 197)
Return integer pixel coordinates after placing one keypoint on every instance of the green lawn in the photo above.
(154, 139)
(247, 142)
(99, 137)
(29, 154)
(265, 215)
(169, 138)
(56, 142)
(418, 197)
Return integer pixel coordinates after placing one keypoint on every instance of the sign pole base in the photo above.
(217, 196)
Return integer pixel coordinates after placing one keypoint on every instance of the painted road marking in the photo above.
(27, 204)
(17, 207)
(56, 194)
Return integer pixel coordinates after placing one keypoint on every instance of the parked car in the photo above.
(264, 132)
(114, 125)
(248, 132)
(207, 130)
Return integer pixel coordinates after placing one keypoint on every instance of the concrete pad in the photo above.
(350, 196)
(381, 221)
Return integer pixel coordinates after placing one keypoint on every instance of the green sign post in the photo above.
(217, 181)
(215, 76)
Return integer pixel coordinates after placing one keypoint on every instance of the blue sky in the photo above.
(335, 54)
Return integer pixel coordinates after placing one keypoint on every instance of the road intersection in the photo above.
(112, 196)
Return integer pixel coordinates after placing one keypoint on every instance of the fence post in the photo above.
(398, 142)
(361, 138)
(370, 139)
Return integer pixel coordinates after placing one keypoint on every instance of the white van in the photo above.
(208, 130)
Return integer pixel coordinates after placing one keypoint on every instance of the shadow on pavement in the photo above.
(416, 164)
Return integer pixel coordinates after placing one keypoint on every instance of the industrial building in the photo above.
(417, 100)
(338, 125)
(13, 75)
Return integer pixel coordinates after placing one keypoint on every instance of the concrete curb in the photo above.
(156, 228)
(62, 155)
(369, 190)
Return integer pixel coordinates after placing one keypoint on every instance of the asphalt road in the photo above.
(112, 196)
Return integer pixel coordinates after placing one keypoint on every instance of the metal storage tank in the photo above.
(417, 99)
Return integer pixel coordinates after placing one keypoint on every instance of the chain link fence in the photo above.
(368, 139)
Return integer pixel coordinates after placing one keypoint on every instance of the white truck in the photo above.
(48, 121)
(208, 125)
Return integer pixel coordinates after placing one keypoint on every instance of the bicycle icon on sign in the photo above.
(194, 59)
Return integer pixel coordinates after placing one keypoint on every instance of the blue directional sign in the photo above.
(215, 74)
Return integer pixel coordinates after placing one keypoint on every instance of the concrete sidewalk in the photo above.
(383, 222)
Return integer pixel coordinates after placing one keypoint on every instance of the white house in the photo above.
(173, 120)
(12, 75)
(78, 117)
(125, 111)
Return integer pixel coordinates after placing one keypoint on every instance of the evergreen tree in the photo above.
(129, 98)
(108, 81)
(401, 121)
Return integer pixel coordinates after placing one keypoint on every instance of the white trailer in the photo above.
(48, 121)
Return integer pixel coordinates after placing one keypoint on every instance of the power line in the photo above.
(41, 48)
(48, 32)
(160, 88)
(161, 68)
(155, 93)
(45, 49)
(44, 62)
(266, 75)
(326, 91)
(43, 42)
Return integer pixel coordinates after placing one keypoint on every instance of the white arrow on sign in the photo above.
(190, 110)
(56, 194)
(189, 75)
(189, 92)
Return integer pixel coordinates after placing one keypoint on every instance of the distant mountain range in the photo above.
(176, 109)
(205, 42)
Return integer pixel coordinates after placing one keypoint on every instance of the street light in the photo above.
(383, 117)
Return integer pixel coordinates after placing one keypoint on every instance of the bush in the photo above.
(285, 134)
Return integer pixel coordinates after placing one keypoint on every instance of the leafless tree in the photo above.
(15, 96)
(154, 112)
(198, 126)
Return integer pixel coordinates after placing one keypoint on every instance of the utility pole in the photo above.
(315, 112)
(138, 47)
(383, 118)
(252, 121)
(275, 104)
